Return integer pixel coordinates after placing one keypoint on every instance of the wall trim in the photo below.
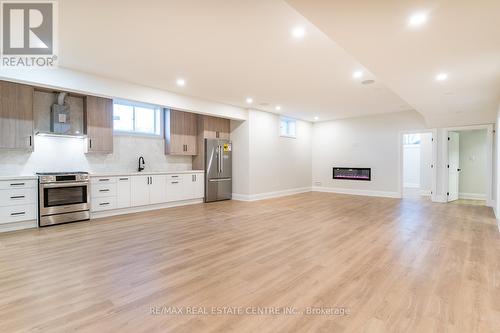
(411, 185)
(425, 193)
(132, 210)
(368, 193)
(270, 195)
(472, 196)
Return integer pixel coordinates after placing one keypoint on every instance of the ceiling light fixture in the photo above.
(316, 118)
(249, 100)
(417, 19)
(298, 32)
(278, 107)
(181, 82)
(357, 74)
(442, 77)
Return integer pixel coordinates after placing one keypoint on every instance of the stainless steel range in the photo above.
(63, 197)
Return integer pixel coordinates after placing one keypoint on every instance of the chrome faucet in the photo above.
(141, 165)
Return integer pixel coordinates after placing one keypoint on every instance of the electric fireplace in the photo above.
(353, 173)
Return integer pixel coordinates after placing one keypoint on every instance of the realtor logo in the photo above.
(28, 33)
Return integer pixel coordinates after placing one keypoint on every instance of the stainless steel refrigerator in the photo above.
(218, 170)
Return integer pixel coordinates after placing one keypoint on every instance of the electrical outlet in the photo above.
(317, 183)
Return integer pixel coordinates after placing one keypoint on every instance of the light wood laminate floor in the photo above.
(393, 265)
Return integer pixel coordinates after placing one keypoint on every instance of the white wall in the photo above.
(67, 154)
(411, 166)
(473, 164)
(362, 142)
(274, 165)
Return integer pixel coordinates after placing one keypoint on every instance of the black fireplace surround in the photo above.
(352, 173)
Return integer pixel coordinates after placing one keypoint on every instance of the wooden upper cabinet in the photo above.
(216, 128)
(16, 116)
(99, 124)
(180, 133)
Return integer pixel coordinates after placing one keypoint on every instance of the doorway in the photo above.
(468, 170)
(418, 165)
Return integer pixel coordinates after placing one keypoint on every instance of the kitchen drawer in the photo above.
(100, 204)
(101, 190)
(175, 191)
(17, 213)
(13, 184)
(103, 180)
(19, 196)
(174, 177)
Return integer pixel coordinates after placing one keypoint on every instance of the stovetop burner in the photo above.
(61, 173)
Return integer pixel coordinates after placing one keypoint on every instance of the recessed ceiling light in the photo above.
(417, 19)
(442, 77)
(278, 107)
(316, 118)
(298, 32)
(249, 100)
(181, 82)
(357, 74)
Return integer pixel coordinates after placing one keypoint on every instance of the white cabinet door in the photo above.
(157, 189)
(193, 186)
(199, 186)
(123, 193)
(140, 190)
(175, 188)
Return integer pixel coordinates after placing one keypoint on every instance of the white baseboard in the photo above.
(425, 193)
(14, 226)
(411, 185)
(131, 210)
(270, 195)
(472, 196)
(439, 198)
(368, 193)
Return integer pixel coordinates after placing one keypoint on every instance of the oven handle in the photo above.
(56, 185)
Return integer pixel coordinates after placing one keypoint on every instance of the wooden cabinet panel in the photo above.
(16, 116)
(180, 133)
(99, 124)
(209, 128)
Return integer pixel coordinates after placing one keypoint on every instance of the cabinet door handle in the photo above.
(18, 197)
(175, 182)
(175, 176)
(123, 178)
(30, 140)
(151, 180)
(105, 190)
(104, 204)
(90, 143)
(17, 184)
(104, 180)
(17, 214)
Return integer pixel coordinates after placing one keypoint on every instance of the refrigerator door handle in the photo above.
(219, 159)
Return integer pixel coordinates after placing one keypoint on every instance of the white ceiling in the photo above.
(225, 50)
(461, 37)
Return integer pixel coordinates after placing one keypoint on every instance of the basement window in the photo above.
(288, 127)
(139, 119)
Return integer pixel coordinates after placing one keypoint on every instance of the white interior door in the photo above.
(454, 165)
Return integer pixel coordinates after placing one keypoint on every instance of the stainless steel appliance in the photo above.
(63, 197)
(218, 170)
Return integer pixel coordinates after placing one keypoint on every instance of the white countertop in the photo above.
(21, 177)
(144, 173)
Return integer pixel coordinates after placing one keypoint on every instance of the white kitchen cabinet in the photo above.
(148, 190)
(123, 192)
(101, 190)
(175, 188)
(140, 190)
(18, 201)
(106, 203)
(193, 186)
(157, 189)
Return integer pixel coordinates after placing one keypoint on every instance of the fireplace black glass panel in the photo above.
(353, 173)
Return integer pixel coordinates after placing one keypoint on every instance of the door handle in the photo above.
(459, 169)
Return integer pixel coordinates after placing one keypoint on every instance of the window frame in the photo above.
(160, 119)
(288, 120)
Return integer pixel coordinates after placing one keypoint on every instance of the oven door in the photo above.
(59, 198)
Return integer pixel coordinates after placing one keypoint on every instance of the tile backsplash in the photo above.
(67, 154)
